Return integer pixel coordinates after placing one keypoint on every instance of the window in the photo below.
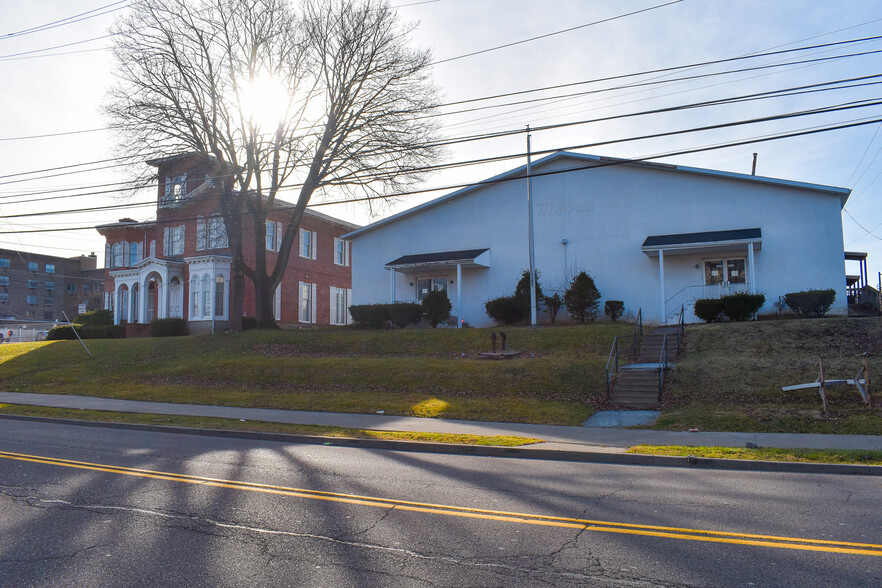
(32, 299)
(32, 284)
(153, 248)
(134, 253)
(175, 190)
(32, 265)
(48, 315)
(426, 285)
(341, 252)
(211, 233)
(173, 240)
(135, 301)
(273, 235)
(4, 280)
(307, 303)
(116, 255)
(50, 286)
(307, 244)
(4, 262)
(195, 283)
(206, 295)
(48, 301)
(85, 289)
(219, 296)
(50, 268)
(339, 306)
(71, 289)
(4, 297)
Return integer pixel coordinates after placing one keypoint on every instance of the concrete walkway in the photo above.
(571, 438)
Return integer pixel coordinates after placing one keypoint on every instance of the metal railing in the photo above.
(613, 360)
(681, 328)
(663, 364)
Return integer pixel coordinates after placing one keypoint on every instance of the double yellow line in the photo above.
(477, 513)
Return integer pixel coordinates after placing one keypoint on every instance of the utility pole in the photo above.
(530, 231)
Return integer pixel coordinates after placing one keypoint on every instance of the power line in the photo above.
(67, 20)
(582, 26)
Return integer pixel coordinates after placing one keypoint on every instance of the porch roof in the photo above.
(468, 258)
(703, 242)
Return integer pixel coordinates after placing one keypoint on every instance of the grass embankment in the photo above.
(845, 456)
(260, 426)
(430, 373)
(730, 377)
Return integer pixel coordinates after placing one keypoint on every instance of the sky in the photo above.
(54, 81)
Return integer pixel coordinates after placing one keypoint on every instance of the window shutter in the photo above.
(348, 303)
(300, 302)
(314, 244)
(312, 302)
(181, 239)
(333, 298)
(346, 246)
(165, 246)
(168, 188)
(277, 303)
(200, 234)
(278, 236)
(107, 255)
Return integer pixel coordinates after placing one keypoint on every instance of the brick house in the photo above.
(41, 287)
(179, 265)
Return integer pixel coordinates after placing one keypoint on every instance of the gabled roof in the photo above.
(589, 161)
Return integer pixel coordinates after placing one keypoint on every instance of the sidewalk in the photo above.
(555, 437)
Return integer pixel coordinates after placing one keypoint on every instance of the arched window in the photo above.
(153, 248)
(219, 296)
(206, 295)
(196, 297)
(116, 255)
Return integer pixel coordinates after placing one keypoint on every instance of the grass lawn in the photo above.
(731, 375)
(848, 456)
(260, 426)
(416, 372)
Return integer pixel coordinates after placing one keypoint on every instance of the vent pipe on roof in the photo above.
(753, 169)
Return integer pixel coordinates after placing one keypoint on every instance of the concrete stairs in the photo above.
(636, 385)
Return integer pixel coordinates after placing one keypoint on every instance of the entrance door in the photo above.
(724, 276)
(175, 299)
(426, 285)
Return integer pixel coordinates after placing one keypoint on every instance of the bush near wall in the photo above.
(810, 302)
(249, 323)
(94, 318)
(168, 327)
(737, 307)
(375, 316)
(613, 309)
(64, 333)
(505, 309)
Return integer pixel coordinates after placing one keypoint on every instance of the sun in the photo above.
(264, 102)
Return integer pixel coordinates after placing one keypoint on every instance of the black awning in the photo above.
(441, 257)
(703, 237)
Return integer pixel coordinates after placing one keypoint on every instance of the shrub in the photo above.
(168, 327)
(522, 293)
(613, 309)
(810, 302)
(249, 323)
(376, 316)
(504, 309)
(405, 313)
(94, 318)
(740, 307)
(582, 298)
(552, 305)
(65, 332)
(708, 309)
(436, 307)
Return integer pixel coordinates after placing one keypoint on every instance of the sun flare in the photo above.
(264, 102)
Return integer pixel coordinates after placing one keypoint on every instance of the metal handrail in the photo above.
(613, 357)
(662, 365)
(681, 328)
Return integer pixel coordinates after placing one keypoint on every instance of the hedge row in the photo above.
(376, 316)
(737, 307)
(168, 327)
(64, 333)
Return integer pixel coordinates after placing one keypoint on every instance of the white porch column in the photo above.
(162, 295)
(142, 302)
(750, 269)
(459, 296)
(392, 285)
(116, 305)
(661, 281)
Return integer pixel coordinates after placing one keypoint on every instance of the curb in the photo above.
(490, 451)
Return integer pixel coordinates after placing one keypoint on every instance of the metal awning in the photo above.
(467, 259)
(703, 242)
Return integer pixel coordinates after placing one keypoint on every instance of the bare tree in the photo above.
(194, 77)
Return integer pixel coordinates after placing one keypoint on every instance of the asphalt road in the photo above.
(82, 506)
